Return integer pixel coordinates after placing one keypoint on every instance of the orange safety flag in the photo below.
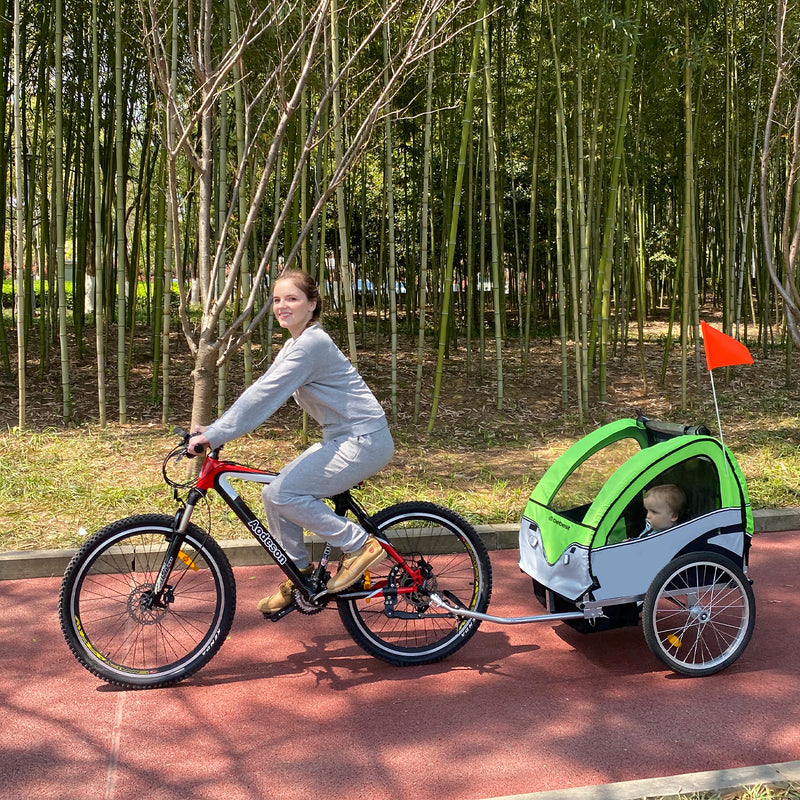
(723, 350)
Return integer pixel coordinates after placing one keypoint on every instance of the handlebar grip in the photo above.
(198, 449)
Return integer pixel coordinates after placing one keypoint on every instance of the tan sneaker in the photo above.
(355, 564)
(283, 596)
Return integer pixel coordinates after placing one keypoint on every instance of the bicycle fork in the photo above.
(161, 589)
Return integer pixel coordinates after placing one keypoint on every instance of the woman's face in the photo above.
(291, 306)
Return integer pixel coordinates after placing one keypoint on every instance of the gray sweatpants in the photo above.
(293, 503)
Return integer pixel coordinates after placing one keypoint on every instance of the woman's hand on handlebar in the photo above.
(197, 444)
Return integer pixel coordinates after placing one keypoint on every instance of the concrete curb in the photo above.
(20, 564)
(717, 781)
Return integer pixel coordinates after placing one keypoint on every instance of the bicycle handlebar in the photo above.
(198, 449)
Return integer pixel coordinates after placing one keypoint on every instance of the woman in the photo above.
(356, 442)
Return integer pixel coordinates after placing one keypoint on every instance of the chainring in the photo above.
(306, 607)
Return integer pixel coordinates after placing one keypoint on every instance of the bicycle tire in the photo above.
(105, 616)
(699, 613)
(439, 539)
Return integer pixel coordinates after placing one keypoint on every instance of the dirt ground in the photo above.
(533, 406)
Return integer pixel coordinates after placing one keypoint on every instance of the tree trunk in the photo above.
(688, 214)
(338, 147)
(120, 216)
(494, 223)
(423, 236)
(390, 221)
(447, 289)
(605, 266)
(19, 183)
(58, 171)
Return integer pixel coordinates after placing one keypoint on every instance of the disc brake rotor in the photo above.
(142, 606)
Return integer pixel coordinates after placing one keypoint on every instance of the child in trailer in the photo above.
(665, 505)
(356, 442)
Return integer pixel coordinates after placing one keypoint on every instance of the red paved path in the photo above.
(295, 710)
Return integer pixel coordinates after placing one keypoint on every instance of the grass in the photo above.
(785, 791)
(57, 481)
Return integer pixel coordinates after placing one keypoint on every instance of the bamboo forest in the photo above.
(457, 175)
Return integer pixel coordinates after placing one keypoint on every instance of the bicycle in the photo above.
(149, 599)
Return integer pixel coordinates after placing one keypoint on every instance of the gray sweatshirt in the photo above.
(324, 383)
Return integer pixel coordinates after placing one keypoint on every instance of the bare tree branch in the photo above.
(281, 63)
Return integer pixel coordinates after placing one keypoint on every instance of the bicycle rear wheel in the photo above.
(110, 619)
(449, 552)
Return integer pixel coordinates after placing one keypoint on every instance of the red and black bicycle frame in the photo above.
(216, 475)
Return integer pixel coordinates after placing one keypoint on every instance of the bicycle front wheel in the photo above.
(113, 623)
(452, 557)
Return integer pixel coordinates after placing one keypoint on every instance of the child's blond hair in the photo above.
(673, 496)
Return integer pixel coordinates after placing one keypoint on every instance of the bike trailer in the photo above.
(581, 534)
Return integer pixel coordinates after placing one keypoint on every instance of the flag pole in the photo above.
(716, 405)
(722, 351)
(719, 421)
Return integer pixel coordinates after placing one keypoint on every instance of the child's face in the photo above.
(659, 514)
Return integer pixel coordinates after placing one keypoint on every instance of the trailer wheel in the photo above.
(699, 613)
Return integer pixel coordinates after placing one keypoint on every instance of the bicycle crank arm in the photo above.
(278, 615)
(464, 612)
